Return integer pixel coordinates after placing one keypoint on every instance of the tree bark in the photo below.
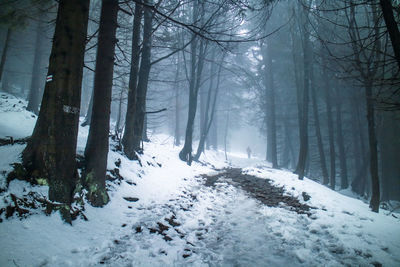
(50, 153)
(96, 151)
(303, 129)
(392, 27)
(127, 139)
(35, 94)
(375, 198)
(4, 54)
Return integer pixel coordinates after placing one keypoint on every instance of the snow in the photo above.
(15, 120)
(218, 226)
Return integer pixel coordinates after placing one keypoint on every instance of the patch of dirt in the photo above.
(258, 188)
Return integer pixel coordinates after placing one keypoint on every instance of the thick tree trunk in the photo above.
(50, 153)
(144, 71)
(35, 94)
(96, 151)
(392, 27)
(127, 139)
(4, 54)
(340, 142)
(373, 148)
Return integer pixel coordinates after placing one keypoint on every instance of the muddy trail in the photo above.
(260, 189)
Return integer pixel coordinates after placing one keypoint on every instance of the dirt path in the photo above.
(260, 189)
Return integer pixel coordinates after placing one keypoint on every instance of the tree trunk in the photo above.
(88, 116)
(213, 137)
(318, 131)
(356, 147)
(359, 183)
(144, 71)
(303, 129)
(196, 69)
(118, 128)
(392, 27)
(127, 139)
(50, 153)
(4, 54)
(328, 101)
(340, 142)
(270, 107)
(375, 198)
(208, 118)
(186, 153)
(96, 151)
(36, 92)
(226, 132)
(177, 107)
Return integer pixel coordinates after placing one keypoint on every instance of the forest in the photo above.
(227, 109)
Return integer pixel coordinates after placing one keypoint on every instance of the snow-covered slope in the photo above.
(163, 214)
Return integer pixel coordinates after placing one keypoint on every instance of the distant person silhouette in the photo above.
(248, 152)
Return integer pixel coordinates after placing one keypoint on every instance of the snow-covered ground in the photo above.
(177, 220)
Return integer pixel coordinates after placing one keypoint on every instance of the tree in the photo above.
(96, 150)
(340, 141)
(4, 53)
(50, 152)
(329, 117)
(317, 126)
(197, 56)
(209, 110)
(143, 79)
(303, 127)
(36, 91)
(127, 139)
(270, 104)
(392, 27)
(367, 62)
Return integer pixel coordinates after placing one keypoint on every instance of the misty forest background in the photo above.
(319, 79)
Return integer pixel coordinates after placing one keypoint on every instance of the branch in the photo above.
(157, 111)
